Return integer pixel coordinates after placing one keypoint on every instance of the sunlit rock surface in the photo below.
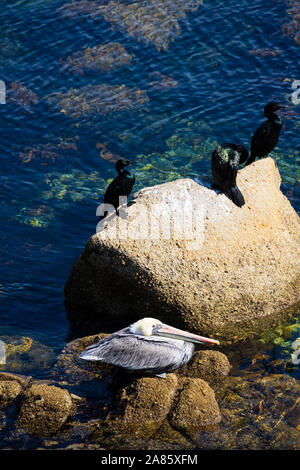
(227, 272)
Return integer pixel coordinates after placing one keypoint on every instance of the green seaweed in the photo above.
(74, 186)
(37, 217)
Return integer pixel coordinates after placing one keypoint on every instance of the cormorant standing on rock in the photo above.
(120, 186)
(224, 165)
(266, 136)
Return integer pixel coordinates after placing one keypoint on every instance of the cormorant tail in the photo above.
(236, 196)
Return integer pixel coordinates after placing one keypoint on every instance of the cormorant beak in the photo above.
(174, 333)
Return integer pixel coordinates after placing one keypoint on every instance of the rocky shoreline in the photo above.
(206, 404)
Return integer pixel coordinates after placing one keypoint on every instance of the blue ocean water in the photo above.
(209, 85)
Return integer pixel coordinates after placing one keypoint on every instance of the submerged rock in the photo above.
(44, 409)
(217, 270)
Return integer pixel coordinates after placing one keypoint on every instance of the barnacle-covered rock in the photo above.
(103, 57)
(44, 409)
(212, 366)
(11, 386)
(139, 408)
(196, 407)
(93, 99)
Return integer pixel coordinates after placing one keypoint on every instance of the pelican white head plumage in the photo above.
(147, 346)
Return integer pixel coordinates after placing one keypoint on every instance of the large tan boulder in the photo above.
(231, 272)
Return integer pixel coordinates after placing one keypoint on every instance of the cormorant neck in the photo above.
(123, 172)
(274, 118)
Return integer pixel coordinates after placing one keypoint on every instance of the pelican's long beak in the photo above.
(175, 333)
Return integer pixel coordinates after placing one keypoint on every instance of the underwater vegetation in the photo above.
(92, 99)
(162, 82)
(10, 46)
(47, 153)
(292, 28)
(289, 165)
(283, 337)
(23, 354)
(38, 216)
(75, 186)
(103, 57)
(23, 96)
(150, 21)
(265, 52)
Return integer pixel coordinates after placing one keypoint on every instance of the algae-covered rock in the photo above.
(212, 366)
(140, 407)
(147, 400)
(44, 409)
(196, 407)
(70, 368)
(219, 270)
(9, 390)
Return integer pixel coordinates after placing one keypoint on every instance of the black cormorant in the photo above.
(266, 136)
(224, 165)
(120, 186)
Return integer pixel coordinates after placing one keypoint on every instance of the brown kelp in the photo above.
(150, 21)
(92, 99)
(103, 57)
(292, 27)
(20, 94)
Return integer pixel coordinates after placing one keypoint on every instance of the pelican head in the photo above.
(154, 327)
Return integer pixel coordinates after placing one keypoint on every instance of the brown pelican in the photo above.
(147, 346)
